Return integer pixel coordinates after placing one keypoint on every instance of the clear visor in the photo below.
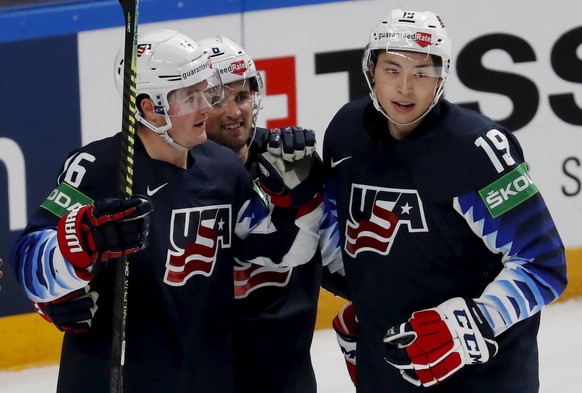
(244, 92)
(418, 64)
(197, 97)
(404, 70)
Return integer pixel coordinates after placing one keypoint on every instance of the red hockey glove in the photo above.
(109, 229)
(72, 312)
(437, 342)
(290, 169)
(345, 325)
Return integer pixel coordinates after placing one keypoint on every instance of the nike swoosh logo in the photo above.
(152, 192)
(336, 163)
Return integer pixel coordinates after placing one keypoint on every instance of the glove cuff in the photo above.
(345, 325)
(476, 336)
(345, 322)
(71, 245)
(479, 319)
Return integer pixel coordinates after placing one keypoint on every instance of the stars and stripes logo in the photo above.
(376, 216)
(196, 235)
(142, 48)
(249, 277)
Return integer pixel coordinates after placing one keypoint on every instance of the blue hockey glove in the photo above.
(108, 229)
(71, 313)
(437, 342)
(345, 325)
(290, 171)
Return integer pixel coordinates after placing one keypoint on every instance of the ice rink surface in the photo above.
(560, 342)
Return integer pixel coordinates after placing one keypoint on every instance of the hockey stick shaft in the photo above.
(128, 134)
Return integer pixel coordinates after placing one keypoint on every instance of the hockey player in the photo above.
(276, 307)
(449, 249)
(180, 317)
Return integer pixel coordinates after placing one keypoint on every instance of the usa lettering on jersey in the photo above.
(196, 234)
(376, 216)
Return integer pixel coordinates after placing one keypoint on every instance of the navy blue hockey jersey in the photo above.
(448, 211)
(180, 314)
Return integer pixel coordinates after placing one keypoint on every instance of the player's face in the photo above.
(188, 111)
(406, 83)
(229, 123)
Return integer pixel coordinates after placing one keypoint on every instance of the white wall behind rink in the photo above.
(553, 148)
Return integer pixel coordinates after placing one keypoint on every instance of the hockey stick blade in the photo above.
(128, 132)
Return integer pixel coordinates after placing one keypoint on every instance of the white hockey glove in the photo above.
(108, 229)
(437, 342)
(290, 169)
(345, 325)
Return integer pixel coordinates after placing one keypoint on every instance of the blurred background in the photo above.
(519, 68)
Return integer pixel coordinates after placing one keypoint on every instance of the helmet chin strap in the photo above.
(163, 131)
(255, 113)
(253, 134)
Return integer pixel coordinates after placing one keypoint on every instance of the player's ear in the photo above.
(147, 110)
(146, 107)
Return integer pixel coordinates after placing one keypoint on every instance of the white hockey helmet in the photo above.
(167, 61)
(414, 31)
(234, 65)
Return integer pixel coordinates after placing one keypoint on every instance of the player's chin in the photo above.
(203, 137)
(199, 135)
(404, 116)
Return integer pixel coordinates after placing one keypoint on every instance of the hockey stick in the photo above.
(128, 124)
